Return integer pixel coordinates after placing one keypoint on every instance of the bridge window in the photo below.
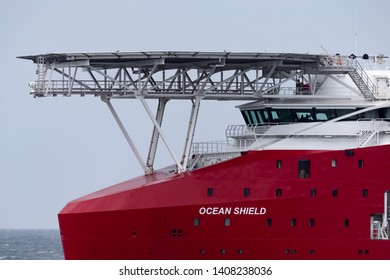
(342, 112)
(253, 117)
(324, 114)
(247, 117)
(302, 115)
(304, 168)
(282, 115)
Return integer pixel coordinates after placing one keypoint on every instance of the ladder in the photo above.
(41, 73)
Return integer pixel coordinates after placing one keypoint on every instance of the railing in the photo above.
(219, 147)
(84, 87)
(244, 136)
(209, 147)
(363, 75)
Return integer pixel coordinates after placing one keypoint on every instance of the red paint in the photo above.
(325, 216)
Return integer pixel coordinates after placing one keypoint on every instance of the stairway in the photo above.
(361, 79)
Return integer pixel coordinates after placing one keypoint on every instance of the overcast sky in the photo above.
(53, 150)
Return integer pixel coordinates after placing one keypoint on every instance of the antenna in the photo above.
(356, 30)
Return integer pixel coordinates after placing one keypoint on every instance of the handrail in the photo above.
(363, 74)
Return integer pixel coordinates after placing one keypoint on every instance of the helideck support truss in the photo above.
(194, 76)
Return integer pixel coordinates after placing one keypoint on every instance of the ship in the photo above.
(304, 176)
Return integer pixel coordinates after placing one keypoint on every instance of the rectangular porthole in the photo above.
(361, 163)
(278, 192)
(313, 192)
(365, 192)
(269, 222)
(246, 192)
(293, 222)
(311, 222)
(334, 163)
(335, 192)
(303, 168)
(227, 222)
(196, 222)
(278, 164)
(346, 222)
(210, 191)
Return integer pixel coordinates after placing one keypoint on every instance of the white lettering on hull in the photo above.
(230, 210)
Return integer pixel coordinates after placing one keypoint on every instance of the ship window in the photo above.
(177, 232)
(287, 251)
(311, 222)
(303, 115)
(202, 251)
(278, 192)
(349, 153)
(365, 192)
(293, 251)
(282, 115)
(266, 115)
(246, 192)
(253, 116)
(313, 192)
(293, 222)
(247, 117)
(334, 163)
(361, 163)
(342, 112)
(196, 222)
(278, 164)
(324, 114)
(259, 117)
(227, 222)
(335, 192)
(269, 222)
(240, 251)
(346, 222)
(312, 252)
(223, 251)
(304, 168)
(210, 191)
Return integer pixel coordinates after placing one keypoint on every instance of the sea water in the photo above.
(30, 244)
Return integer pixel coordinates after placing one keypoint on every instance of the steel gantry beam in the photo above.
(195, 76)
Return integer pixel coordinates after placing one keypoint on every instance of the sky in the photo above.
(53, 150)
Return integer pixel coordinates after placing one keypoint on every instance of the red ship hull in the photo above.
(256, 206)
